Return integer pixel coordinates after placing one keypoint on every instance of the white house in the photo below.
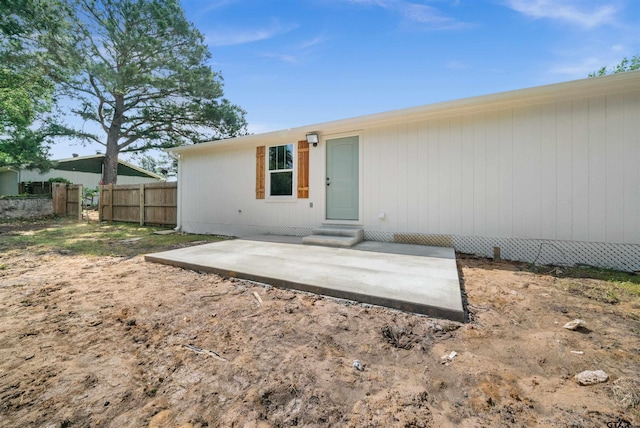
(548, 174)
(85, 170)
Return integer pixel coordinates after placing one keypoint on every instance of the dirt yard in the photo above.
(90, 341)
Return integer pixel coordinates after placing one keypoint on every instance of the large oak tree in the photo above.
(141, 75)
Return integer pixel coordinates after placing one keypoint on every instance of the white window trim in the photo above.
(294, 176)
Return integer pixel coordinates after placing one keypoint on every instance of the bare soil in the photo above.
(100, 341)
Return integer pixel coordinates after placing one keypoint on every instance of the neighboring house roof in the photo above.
(93, 164)
(549, 93)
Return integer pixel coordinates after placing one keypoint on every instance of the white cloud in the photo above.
(261, 128)
(587, 14)
(291, 59)
(417, 13)
(579, 61)
(215, 4)
(299, 53)
(381, 3)
(578, 69)
(456, 65)
(431, 16)
(243, 36)
(312, 42)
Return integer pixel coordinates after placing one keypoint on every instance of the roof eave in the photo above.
(120, 161)
(141, 170)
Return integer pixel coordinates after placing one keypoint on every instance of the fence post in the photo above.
(142, 204)
(60, 199)
(110, 202)
(100, 203)
(79, 202)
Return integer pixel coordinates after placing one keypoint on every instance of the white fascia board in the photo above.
(78, 158)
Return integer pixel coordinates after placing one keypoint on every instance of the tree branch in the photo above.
(100, 105)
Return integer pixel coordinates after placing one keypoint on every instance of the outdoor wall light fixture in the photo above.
(312, 139)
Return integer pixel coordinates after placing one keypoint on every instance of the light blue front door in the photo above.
(342, 178)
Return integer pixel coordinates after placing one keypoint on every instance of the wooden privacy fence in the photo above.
(149, 203)
(67, 199)
(35, 187)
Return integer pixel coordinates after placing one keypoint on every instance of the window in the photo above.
(278, 178)
(281, 170)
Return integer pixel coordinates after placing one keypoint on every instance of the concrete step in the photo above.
(331, 230)
(335, 236)
(331, 240)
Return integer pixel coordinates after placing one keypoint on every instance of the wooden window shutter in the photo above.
(260, 173)
(303, 169)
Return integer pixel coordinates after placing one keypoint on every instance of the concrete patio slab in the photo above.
(413, 278)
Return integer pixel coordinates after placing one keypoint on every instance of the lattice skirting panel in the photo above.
(287, 231)
(540, 251)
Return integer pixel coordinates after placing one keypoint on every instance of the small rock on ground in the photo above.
(589, 377)
(573, 325)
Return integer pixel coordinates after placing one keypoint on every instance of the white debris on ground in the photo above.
(358, 365)
(575, 324)
(589, 377)
(446, 359)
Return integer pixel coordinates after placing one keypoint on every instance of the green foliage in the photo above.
(88, 196)
(610, 275)
(161, 164)
(59, 180)
(89, 193)
(25, 89)
(23, 94)
(623, 66)
(26, 78)
(24, 147)
(141, 75)
(620, 286)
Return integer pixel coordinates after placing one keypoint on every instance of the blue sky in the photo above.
(292, 63)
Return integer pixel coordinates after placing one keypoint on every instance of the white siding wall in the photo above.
(218, 196)
(564, 170)
(561, 171)
(88, 180)
(8, 183)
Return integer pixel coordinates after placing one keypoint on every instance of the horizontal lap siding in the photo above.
(565, 170)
